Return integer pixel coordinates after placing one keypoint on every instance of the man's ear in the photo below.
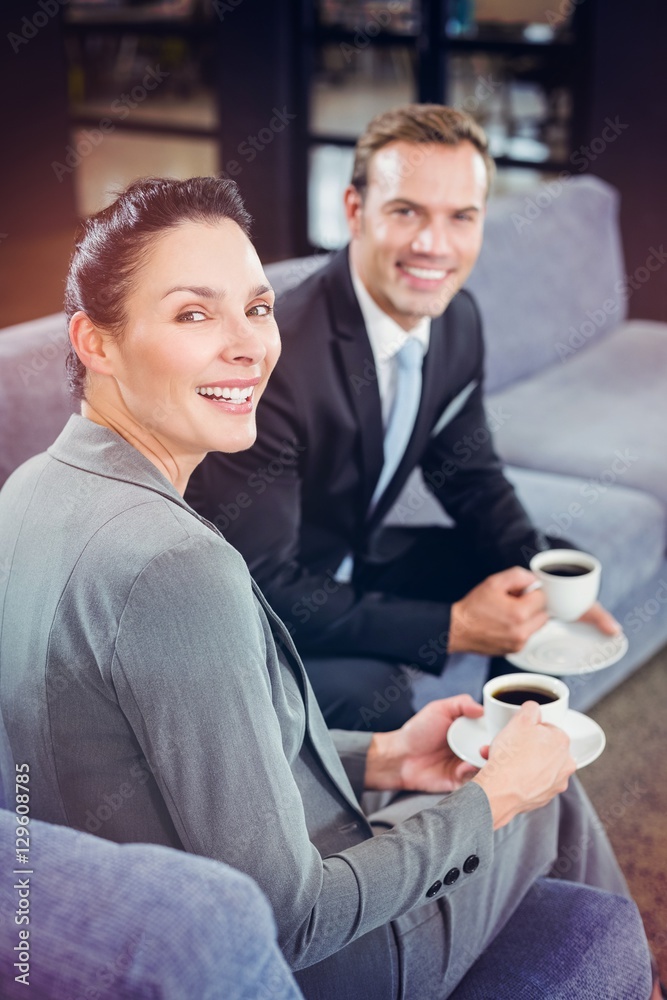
(90, 344)
(354, 207)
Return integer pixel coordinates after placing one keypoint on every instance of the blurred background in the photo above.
(274, 92)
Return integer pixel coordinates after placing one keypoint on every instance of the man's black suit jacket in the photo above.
(296, 502)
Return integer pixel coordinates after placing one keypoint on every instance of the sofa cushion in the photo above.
(550, 270)
(601, 414)
(35, 403)
(135, 921)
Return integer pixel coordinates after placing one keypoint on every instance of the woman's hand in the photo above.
(417, 757)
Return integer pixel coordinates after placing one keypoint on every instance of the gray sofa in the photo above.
(576, 398)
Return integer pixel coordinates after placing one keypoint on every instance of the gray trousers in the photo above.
(439, 941)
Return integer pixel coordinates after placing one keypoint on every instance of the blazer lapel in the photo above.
(321, 743)
(434, 363)
(357, 367)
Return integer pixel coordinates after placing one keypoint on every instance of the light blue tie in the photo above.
(403, 412)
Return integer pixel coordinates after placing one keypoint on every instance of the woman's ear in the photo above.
(90, 344)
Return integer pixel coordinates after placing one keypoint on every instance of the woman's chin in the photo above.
(240, 440)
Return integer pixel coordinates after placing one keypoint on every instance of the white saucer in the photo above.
(567, 648)
(587, 739)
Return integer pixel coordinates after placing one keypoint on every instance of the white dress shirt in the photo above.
(386, 338)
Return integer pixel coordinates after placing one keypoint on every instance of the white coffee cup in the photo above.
(497, 713)
(569, 594)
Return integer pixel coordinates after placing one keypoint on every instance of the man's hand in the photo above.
(601, 619)
(497, 616)
(529, 762)
(417, 757)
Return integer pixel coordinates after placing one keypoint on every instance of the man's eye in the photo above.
(405, 211)
(464, 217)
(191, 316)
(261, 309)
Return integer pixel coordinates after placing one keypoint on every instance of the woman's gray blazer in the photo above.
(157, 698)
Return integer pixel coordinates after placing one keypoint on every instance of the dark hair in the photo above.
(418, 123)
(111, 246)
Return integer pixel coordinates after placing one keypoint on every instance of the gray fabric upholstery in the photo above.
(34, 400)
(601, 414)
(544, 951)
(536, 278)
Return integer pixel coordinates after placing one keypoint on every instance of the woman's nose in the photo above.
(243, 344)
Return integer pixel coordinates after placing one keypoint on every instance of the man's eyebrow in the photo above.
(403, 201)
(418, 205)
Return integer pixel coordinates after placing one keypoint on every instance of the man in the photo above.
(382, 372)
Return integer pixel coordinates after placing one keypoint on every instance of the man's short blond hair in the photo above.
(418, 123)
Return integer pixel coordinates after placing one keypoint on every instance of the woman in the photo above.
(155, 694)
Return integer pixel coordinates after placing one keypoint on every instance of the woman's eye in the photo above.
(261, 309)
(191, 316)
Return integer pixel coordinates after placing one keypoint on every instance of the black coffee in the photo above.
(517, 696)
(565, 569)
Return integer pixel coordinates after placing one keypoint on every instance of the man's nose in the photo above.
(434, 238)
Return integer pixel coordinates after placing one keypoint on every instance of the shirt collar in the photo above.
(385, 335)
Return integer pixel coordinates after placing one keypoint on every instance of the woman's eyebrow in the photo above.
(206, 292)
(202, 291)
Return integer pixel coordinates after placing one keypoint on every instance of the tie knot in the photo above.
(410, 355)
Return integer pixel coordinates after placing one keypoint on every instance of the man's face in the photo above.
(417, 232)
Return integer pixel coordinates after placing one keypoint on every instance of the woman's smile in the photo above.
(233, 396)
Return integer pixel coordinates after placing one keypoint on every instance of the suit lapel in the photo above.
(321, 742)
(357, 366)
(434, 365)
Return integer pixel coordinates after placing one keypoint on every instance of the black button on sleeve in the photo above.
(451, 876)
(471, 864)
(435, 889)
